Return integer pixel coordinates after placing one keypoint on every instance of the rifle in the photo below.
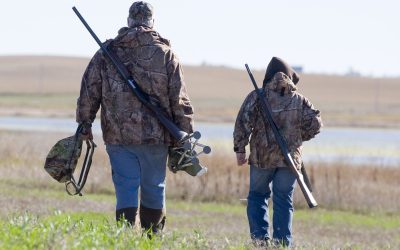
(268, 120)
(188, 156)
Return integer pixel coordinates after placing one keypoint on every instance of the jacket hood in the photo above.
(281, 83)
(138, 36)
(278, 65)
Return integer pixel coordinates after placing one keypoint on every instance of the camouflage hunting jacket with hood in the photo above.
(156, 69)
(294, 115)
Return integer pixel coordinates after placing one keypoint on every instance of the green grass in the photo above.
(343, 218)
(93, 230)
(90, 231)
(56, 220)
(26, 188)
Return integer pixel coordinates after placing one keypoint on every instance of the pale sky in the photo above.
(322, 36)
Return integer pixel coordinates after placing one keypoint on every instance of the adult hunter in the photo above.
(136, 142)
(297, 121)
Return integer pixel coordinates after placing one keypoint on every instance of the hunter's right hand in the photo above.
(86, 134)
(241, 158)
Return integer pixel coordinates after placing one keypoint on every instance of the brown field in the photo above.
(336, 186)
(358, 206)
(49, 86)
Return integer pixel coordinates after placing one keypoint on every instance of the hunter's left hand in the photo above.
(86, 134)
(241, 158)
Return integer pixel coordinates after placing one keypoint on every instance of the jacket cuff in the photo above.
(237, 149)
(86, 125)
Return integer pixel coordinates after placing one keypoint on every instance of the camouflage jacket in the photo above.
(293, 114)
(156, 69)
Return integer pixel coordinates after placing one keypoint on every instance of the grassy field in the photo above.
(336, 186)
(50, 85)
(359, 206)
(48, 218)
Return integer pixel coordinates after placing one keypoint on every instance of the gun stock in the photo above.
(266, 111)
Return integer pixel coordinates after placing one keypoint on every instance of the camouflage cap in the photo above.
(140, 13)
(63, 157)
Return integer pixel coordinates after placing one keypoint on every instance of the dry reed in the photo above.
(336, 185)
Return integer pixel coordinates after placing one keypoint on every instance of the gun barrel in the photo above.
(87, 26)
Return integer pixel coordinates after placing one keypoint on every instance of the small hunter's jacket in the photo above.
(294, 114)
(156, 69)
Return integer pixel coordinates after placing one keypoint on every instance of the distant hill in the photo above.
(217, 92)
(40, 74)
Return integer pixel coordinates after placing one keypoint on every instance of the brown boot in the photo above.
(152, 220)
(128, 214)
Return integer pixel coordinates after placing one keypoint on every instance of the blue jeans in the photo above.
(283, 183)
(135, 166)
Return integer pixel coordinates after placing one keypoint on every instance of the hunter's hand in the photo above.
(86, 134)
(241, 158)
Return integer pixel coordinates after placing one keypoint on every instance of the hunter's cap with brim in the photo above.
(278, 65)
(141, 13)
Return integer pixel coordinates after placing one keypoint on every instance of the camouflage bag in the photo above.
(62, 159)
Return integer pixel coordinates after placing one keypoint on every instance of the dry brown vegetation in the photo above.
(369, 194)
(336, 186)
(50, 85)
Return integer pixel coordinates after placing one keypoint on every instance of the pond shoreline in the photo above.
(380, 146)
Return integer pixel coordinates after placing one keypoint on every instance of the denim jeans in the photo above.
(283, 183)
(135, 166)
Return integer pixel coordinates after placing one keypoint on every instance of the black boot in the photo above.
(129, 214)
(152, 220)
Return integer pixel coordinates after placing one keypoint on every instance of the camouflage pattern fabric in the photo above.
(156, 69)
(63, 157)
(293, 113)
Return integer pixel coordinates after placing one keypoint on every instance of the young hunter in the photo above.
(136, 142)
(298, 121)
